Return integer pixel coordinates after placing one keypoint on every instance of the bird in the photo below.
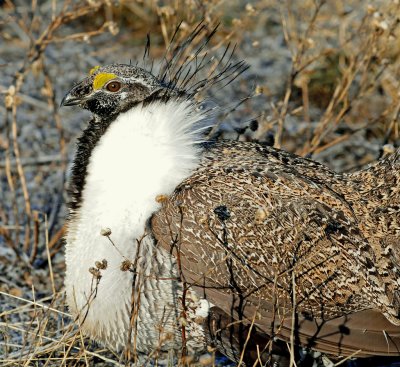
(182, 245)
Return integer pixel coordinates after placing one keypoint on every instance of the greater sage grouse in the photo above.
(180, 245)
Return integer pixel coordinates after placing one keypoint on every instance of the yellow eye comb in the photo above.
(101, 79)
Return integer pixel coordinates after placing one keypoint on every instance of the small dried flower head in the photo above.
(237, 22)
(380, 25)
(193, 297)
(101, 264)
(184, 25)
(388, 149)
(125, 265)
(250, 9)
(105, 232)
(183, 321)
(259, 90)
(161, 199)
(9, 100)
(112, 28)
(95, 272)
(310, 42)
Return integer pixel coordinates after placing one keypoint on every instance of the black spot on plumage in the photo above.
(285, 160)
(253, 126)
(222, 213)
(332, 227)
(370, 265)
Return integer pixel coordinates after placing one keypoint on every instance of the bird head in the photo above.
(115, 88)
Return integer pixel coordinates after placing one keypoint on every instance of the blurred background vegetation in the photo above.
(323, 81)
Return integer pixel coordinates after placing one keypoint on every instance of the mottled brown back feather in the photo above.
(263, 232)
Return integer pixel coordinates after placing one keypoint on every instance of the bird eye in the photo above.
(113, 86)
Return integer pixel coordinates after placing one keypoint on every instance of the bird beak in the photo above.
(78, 94)
(70, 100)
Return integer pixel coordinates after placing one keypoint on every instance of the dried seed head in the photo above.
(310, 42)
(388, 149)
(105, 232)
(95, 272)
(183, 321)
(161, 199)
(125, 265)
(259, 90)
(112, 28)
(193, 296)
(9, 100)
(101, 264)
(250, 9)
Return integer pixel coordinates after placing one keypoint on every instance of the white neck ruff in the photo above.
(147, 151)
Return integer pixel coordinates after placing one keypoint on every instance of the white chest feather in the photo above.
(145, 152)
